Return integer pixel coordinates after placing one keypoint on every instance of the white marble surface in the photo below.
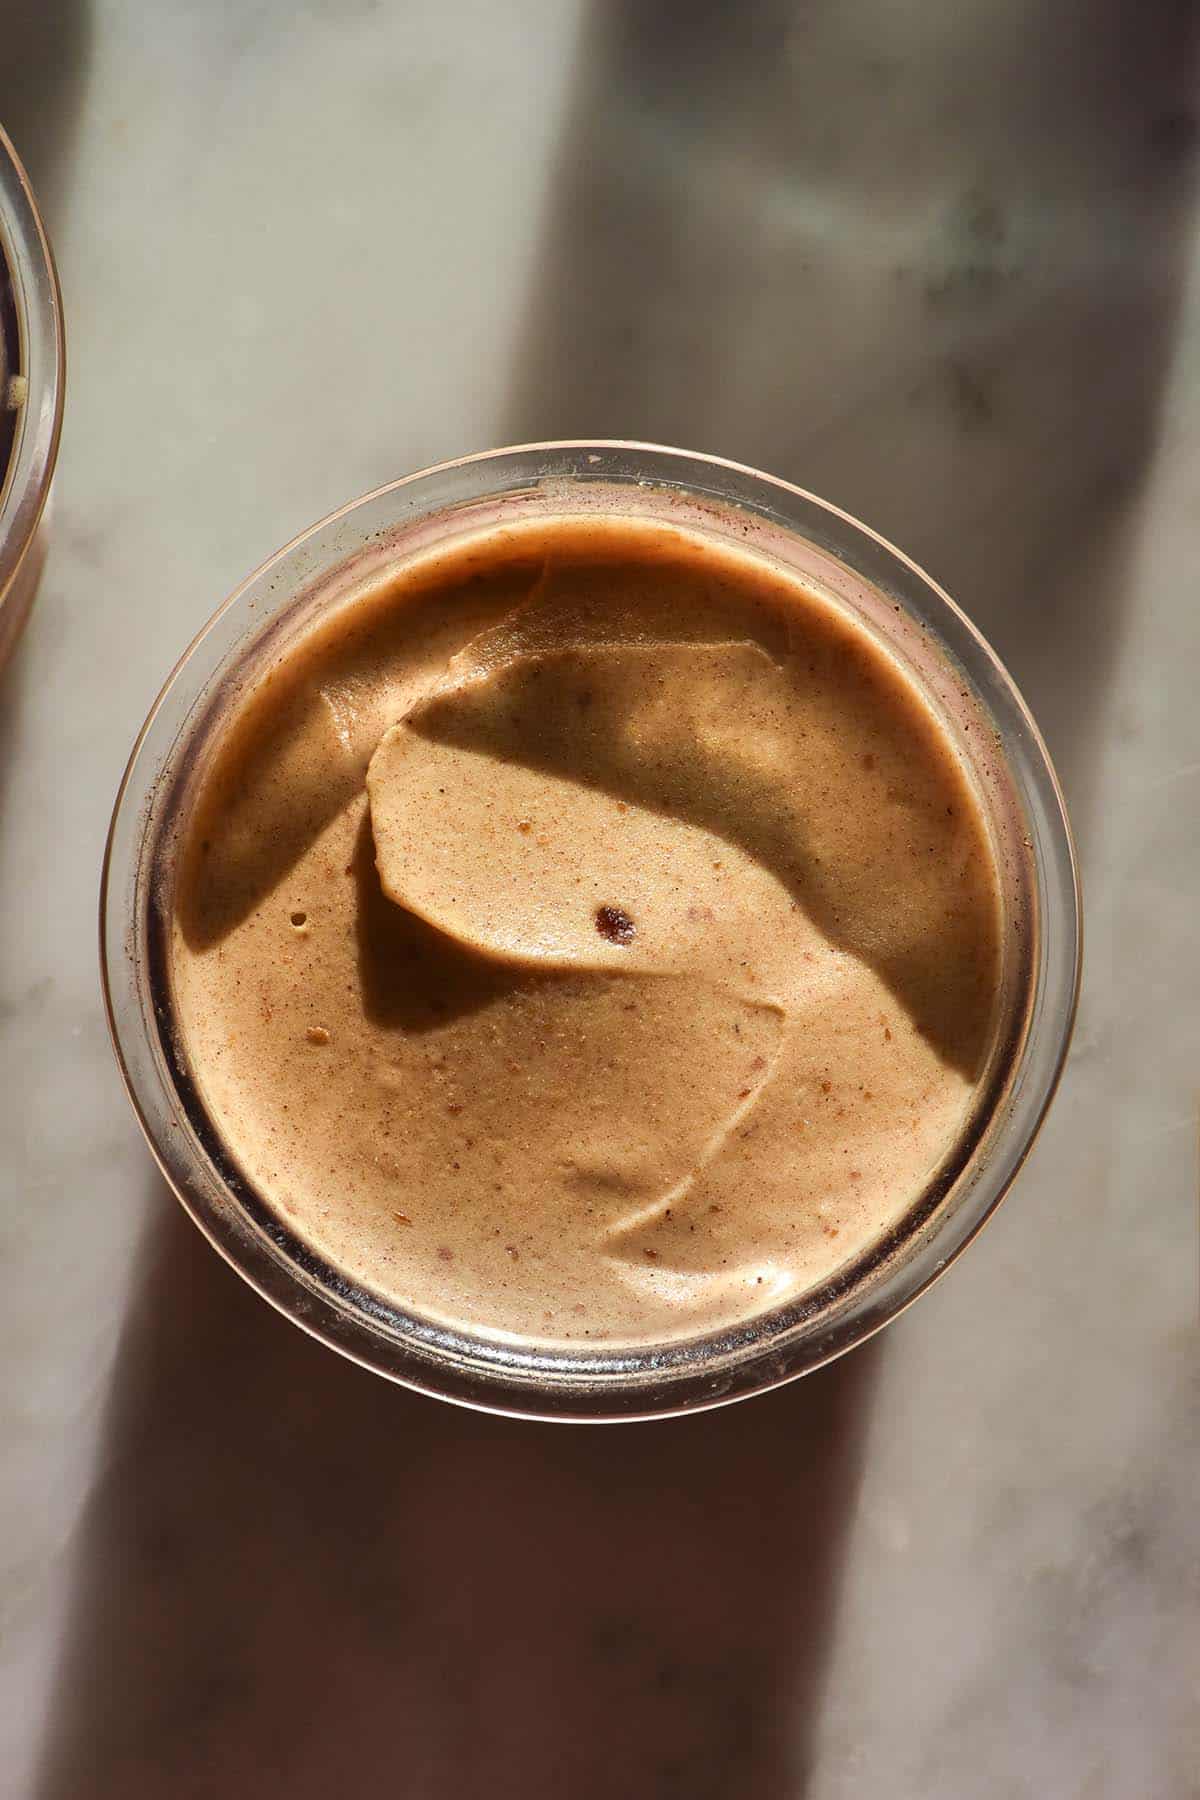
(938, 261)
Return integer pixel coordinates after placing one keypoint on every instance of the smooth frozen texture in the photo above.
(589, 934)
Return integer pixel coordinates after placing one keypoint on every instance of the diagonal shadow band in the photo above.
(927, 266)
(291, 1576)
(700, 733)
(412, 975)
(290, 1570)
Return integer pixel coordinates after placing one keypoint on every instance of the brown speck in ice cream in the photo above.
(615, 925)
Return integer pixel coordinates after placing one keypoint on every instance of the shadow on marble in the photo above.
(42, 73)
(15, 694)
(293, 1577)
(926, 263)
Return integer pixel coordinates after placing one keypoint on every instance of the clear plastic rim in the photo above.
(700, 1373)
(25, 249)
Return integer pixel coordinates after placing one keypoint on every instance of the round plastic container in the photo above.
(984, 715)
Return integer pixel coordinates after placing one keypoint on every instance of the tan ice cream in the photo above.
(590, 935)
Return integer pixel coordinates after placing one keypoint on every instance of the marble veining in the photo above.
(939, 263)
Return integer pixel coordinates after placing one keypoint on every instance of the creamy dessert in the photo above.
(590, 934)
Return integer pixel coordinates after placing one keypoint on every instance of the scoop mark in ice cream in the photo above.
(657, 941)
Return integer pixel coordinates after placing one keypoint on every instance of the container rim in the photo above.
(25, 251)
(706, 1372)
